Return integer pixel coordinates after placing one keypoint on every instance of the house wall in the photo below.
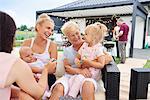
(148, 25)
(148, 30)
(81, 22)
(148, 22)
(139, 31)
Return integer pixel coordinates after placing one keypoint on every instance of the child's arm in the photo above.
(99, 62)
(78, 60)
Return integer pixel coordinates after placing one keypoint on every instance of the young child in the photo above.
(91, 53)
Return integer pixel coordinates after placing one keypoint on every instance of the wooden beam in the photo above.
(133, 29)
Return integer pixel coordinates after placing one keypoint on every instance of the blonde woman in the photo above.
(42, 47)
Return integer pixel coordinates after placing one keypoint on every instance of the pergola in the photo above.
(93, 8)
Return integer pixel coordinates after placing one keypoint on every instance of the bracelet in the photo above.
(81, 62)
(53, 59)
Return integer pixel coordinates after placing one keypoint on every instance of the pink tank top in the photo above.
(6, 62)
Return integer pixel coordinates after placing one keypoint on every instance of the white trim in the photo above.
(127, 9)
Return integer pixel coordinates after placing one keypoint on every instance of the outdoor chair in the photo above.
(109, 45)
(140, 78)
(111, 79)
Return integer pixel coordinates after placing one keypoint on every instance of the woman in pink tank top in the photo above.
(13, 69)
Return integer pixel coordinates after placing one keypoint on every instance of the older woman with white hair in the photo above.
(61, 86)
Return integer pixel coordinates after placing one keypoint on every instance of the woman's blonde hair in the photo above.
(98, 31)
(41, 19)
(69, 26)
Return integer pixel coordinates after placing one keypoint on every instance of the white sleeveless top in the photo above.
(44, 57)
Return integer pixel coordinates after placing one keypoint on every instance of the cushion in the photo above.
(60, 70)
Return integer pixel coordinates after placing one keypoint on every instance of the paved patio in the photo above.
(125, 70)
(141, 53)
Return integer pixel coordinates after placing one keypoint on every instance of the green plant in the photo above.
(21, 35)
(147, 65)
(117, 60)
(17, 44)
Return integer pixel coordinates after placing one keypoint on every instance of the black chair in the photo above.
(140, 78)
(111, 79)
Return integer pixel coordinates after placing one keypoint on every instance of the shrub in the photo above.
(21, 35)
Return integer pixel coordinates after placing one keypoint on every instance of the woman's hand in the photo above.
(51, 67)
(86, 73)
(108, 58)
(85, 63)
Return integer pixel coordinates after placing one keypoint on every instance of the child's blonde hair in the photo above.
(41, 19)
(98, 31)
(69, 26)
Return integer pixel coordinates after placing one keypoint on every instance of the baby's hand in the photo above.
(77, 62)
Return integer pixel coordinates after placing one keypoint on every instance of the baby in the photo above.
(26, 54)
